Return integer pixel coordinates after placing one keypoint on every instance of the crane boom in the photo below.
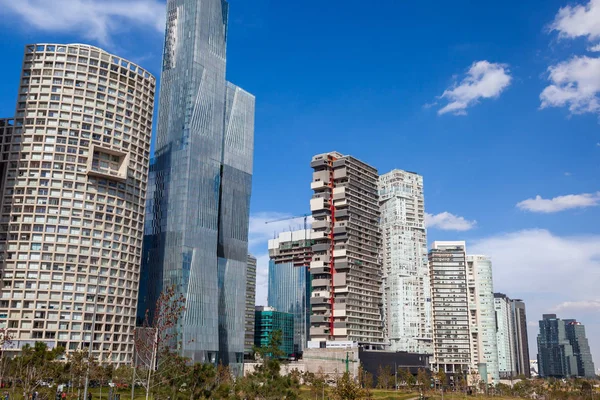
(305, 216)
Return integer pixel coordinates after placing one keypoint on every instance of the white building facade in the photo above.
(74, 175)
(450, 299)
(505, 336)
(482, 317)
(406, 283)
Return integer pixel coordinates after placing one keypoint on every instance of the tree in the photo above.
(440, 376)
(36, 365)
(123, 376)
(171, 376)
(152, 340)
(347, 389)
(407, 378)
(273, 349)
(266, 381)
(587, 390)
(365, 378)
(423, 379)
(77, 366)
(102, 374)
(384, 377)
(316, 382)
(6, 338)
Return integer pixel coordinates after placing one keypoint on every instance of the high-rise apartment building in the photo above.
(482, 317)
(199, 206)
(289, 280)
(346, 268)
(505, 336)
(73, 177)
(450, 304)
(555, 352)
(511, 336)
(575, 333)
(521, 338)
(406, 288)
(250, 304)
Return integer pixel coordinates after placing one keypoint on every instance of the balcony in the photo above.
(318, 185)
(316, 301)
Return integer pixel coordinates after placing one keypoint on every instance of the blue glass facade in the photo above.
(199, 199)
(267, 321)
(289, 292)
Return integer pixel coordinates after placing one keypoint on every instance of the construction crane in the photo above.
(305, 216)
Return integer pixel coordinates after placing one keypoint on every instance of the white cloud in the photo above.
(545, 270)
(560, 203)
(595, 48)
(95, 20)
(574, 83)
(578, 21)
(584, 305)
(484, 80)
(259, 234)
(448, 222)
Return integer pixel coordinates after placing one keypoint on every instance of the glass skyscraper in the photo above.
(198, 207)
(289, 281)
(555, 352)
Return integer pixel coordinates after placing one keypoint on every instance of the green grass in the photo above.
(376, 394)
(140, 394)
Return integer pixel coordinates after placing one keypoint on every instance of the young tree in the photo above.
(317, 383)
(77, 367)
(406, 377)
(158, 332)
(6, 338)
(36, 365)
(440, 377)
(266, 381)
(347, 389)
(103, 374)
(423, 379)
(384, 377)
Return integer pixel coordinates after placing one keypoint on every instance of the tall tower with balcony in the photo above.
(346, 269)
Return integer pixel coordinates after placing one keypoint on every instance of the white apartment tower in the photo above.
(482, 317)
(346, 300)
(406, 285)
(451, 317)
(505, 335)
(73, 176)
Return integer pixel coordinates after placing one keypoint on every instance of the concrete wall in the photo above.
(331, 362)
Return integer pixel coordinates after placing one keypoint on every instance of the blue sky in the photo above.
(493, 105)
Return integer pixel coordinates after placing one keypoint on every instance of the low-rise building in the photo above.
(269, 320)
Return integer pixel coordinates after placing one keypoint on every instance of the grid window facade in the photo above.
(199, 203)
(449, 295)
(74, 170)
(346, 293)
(407, 303)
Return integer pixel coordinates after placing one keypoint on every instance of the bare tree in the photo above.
(152, 340)
(6, 339)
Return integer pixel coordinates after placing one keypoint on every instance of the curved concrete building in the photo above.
(74, 171)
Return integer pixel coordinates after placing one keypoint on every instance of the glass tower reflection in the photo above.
(199, 198)
(290, 280)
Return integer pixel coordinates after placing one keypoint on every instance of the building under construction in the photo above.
(346, 270)
(289, 281)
